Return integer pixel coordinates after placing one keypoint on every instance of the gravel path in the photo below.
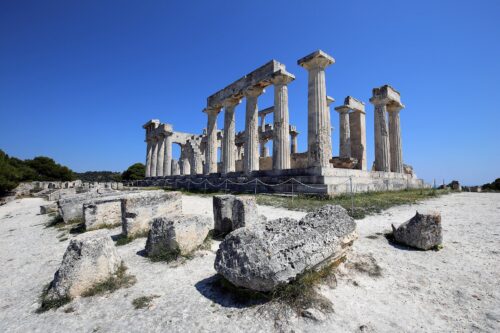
(455, 289)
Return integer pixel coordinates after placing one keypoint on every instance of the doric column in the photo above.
(281, 131)
(319, 138)
(184, 161)
(382, 152)
(395, 137)
(344, 132)
(264, 151)
(167, 164)
(161, 156)
(357, 124)
(154, 157)
(228, 145)
(149, 152)
(293, 148)
(251, 162)
(211, 148)
(174, 169)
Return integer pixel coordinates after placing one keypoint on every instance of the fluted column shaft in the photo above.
(251, 162)
(382, 150)
(344, 134)
(149, 152)
(357, 123)
(154, 157)
(395, 139)
(281, 132)
(161, 156)
(319, 139)
(228, 143)
(294, 144)
(167, 165)
(211, 148)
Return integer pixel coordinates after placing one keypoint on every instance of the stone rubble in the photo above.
(233, 212)
(263, 256)
(423, 231)
(89, 259)
(182, 233)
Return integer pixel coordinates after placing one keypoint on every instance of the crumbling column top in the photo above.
(254, 91)
(329, 100)
(156, 122)
(316, 59)
(212, 110)
(351, 103)
(282, 77)
(385, 95)
(231, 101)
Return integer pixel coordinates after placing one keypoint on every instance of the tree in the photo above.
(47, 169)
(134, 172)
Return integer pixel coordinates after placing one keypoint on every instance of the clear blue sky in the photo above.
(79, 78)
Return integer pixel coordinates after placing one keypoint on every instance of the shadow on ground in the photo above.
(220, 291)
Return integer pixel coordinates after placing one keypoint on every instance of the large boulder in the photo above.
(423, 231)
(177, 233)
(89, 259)
(233, 212)
(265, 255)
(139, 209)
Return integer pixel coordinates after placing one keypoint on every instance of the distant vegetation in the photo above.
(134, 172)
(99, 176)
(493, 186)
(13, 171)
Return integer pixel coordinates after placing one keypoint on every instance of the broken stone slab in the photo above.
(103, 213)
(263, 256)
(71, 208)
(182, 233)
(49, 208)
(423, 231)
(139, 209)
(233, 212)
(344, 162)
(91, 258)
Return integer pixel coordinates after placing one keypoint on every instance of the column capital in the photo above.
(282, 77)
(395, 107)
(316, 60)
(329, 100)
(254, 91)
(342, 109)
(212, 110)
(385, 95)
(229, 102)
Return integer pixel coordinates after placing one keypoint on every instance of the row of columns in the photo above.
(388, 150)
(159, 156)
(281, 132)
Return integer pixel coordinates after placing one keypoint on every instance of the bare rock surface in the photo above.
(48, 208)
(183, 233)
(423, 231)
(89, 259)
(102, 213)
(261, 257)
(223, 213)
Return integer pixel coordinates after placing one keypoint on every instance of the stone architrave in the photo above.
(381, 98)
(228, 144)
(281, 132)
(319, 137)
(395, 137)
(161, 156)
(251, 157)
(149, 153)
(211, 149)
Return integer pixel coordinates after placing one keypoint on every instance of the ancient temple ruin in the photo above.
(245, 162)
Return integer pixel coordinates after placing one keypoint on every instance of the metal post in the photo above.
(352, 197)
(255, 187)
(205, 186)
(225, 189)
(292, 188)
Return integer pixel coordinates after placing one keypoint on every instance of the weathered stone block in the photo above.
(423, 231)
(183, 233)
(47, 209)
(139, 209)
(244, 212)
(223, 213)
(89, 259)
(102, 213)
(265, 255)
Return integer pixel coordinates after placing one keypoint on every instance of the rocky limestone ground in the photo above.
(384, 288)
